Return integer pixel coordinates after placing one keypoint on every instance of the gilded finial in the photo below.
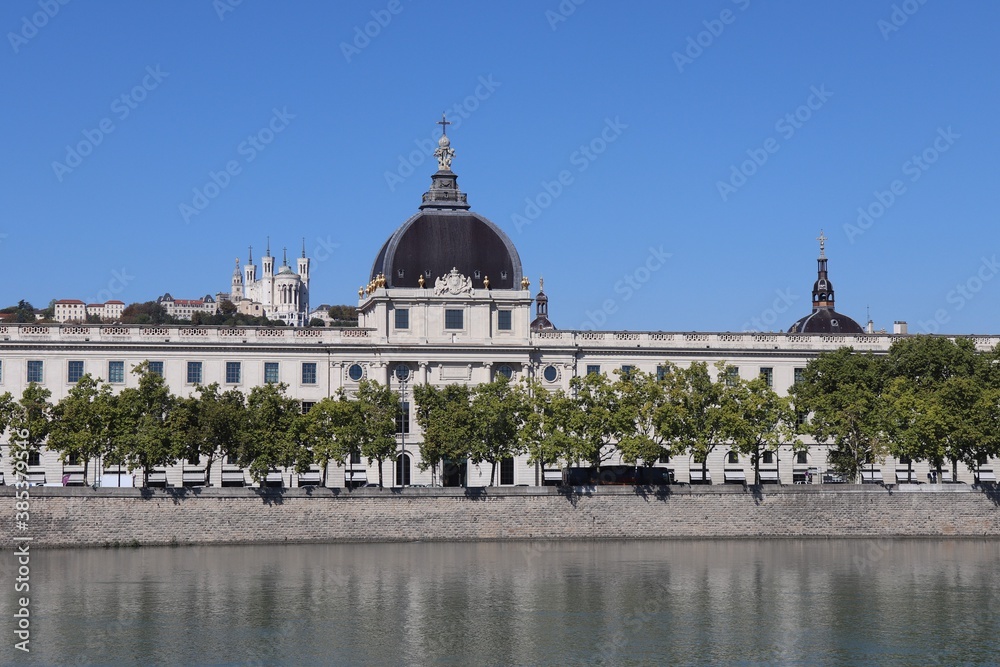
(486, 282)
(525, 283)
(420, 281)
(361, 292)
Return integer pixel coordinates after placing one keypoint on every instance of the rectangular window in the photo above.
(768, 458)
(403, 418)
(74, 371)
(34, 459)
(504, 320)
(801, 458)
(355, 458)
(194, 372)
(116, 372)
(627, 371)
(307, 406)
(1, 371)
(402, 318)
(271, 372)
(768, 374)
(34, 371)
(593, 368)
(453, 319)
(799, 374)
(156, 368)
(661, 373)
(507, 472)
(664, 457)
(309, 372)
(233, 372)
(73, 460)
(732, 376)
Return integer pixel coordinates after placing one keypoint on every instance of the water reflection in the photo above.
(833, 602)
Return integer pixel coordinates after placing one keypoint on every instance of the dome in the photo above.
(826, 321)
(433, 242)
(446, 235)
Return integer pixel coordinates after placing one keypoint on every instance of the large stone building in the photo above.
(447, 301)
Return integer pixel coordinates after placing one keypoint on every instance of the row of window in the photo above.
(234, 371)
(454, 319)
(195, 374)
(733, 373)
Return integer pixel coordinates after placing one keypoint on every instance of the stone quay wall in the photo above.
(76, 517)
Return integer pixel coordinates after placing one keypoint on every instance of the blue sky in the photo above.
(701, 148)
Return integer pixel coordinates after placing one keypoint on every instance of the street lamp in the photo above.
(402, 374)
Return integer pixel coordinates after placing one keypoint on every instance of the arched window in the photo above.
(732, 457)
(403, 470)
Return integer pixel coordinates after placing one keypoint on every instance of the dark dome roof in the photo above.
(827, 321)
(433, 242)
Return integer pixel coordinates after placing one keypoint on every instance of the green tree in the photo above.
(30, 419)
(377, 408)
(209, 425)
(643, 400)
(142, 437)
(760, 420)
(268, 440)
(445, 417)
(498, 410)
(700, 421)
(327, 431)
(598, 422)
(82, 422)
(316, 322)
(24, 312)
(842, 393)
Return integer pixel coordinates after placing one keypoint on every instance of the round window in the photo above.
(355, 372)
(402, 372)
(505, 371)
(551, 373)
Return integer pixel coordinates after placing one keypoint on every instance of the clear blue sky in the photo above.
(677, 126)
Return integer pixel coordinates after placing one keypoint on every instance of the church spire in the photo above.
(303, 247)
(250, 256)
(444, 192)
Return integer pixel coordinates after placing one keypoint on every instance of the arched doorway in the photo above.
(403, 470)
(453, 473)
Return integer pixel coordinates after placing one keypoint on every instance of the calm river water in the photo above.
(815, 602)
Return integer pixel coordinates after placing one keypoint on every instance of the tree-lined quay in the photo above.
(929, 399)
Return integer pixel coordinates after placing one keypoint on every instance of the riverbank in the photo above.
(81, 516)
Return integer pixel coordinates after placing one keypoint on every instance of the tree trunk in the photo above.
(493, 471)
(380, 466)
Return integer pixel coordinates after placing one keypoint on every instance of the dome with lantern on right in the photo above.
(824, 319)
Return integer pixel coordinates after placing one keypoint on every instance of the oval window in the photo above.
(505, 371)
(355, 372)
(551, 373)
(402, 372)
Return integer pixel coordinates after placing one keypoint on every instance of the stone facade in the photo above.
(66, 517)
